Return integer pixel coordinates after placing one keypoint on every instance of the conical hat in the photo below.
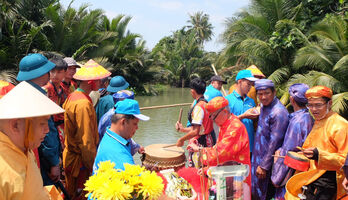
(25, 101)
(91, 71)
(255, 71)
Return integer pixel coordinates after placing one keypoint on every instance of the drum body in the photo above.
(157, 158)
(296, 161)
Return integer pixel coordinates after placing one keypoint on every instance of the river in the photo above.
(161, 126)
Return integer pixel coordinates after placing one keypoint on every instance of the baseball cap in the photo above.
(130, 107)
(246, 74)
(217, 78)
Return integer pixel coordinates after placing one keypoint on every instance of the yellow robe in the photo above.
(19, 175)
(81, 136)
(330, 137)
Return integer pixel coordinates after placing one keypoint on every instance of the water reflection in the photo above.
(161, 127)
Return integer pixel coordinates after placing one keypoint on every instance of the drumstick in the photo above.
(170, 145)
(179, 120)
(173, 150)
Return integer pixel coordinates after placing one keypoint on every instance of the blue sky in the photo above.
(155, 19)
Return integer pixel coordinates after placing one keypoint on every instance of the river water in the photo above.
(161, 126)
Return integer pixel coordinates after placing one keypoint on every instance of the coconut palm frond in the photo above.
(340, 102)
(280, 75)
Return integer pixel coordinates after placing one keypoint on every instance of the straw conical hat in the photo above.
(91, 71)
(255, 71)
(25, 101)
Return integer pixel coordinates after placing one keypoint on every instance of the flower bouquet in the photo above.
(134, 183)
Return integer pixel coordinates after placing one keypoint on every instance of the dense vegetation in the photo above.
(289, 40)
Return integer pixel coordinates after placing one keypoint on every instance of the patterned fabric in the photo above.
(330, 137)
(216, 104)
(300, 125)
(81, 135)
(20, 177)
(5, 87)
(204, 138)
(298, 92)
(68, 88)
(91, 71)
(232, 145)
(57, 95)
(211, 92)
(319, 91)
(238, 106)
(272, 125)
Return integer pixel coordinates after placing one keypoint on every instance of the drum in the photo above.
(296, 161)
(158, 158)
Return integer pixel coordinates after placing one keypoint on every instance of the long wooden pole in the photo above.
(215, 72)
(165, 106)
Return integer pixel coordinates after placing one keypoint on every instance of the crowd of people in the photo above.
(63, 119)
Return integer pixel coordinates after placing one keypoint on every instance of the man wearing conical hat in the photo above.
(23, 126)
(80, 128)
(252, 92)
(326, 146)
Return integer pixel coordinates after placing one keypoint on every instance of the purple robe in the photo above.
(272, 125)
(300, 125)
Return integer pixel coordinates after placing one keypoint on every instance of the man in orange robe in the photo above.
(233, 140)
(326, 146)
(80, 129)
(23, 125)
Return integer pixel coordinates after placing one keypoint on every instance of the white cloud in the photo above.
(167, 5)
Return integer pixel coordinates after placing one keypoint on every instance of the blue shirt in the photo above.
(114, 148)
(211, 92)
(238, 106)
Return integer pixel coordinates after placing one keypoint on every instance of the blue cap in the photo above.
(116, 84)
(123, 94)
(246, 74)
(263, 84)
(33, 66)
(298, 91)
(130, 107)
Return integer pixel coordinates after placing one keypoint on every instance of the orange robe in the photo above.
(20, 177)
(232, 145)
(81, 139)
(251, 93)
(330, 137)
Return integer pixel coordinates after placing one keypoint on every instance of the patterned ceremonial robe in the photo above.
(300, 125)
(330, 137)
(232, 145)
(68, 88)
(81, 139)
(272, 125)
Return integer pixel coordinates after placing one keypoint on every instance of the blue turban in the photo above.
(123, 94)
(298, 91)
(263, 84)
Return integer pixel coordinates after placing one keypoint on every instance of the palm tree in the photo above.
(200, 24)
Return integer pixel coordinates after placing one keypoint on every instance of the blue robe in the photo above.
(273, 122)
(300, 125)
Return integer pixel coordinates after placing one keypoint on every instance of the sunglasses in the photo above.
(212, 117)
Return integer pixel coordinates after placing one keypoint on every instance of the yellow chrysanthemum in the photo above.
(105, 166)
(151, 185)
(94, 183)
(133, 170)
(115, 189)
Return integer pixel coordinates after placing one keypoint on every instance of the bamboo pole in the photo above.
(165, 106)
(215, 72)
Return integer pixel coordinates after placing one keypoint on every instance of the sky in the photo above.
(155, 19)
